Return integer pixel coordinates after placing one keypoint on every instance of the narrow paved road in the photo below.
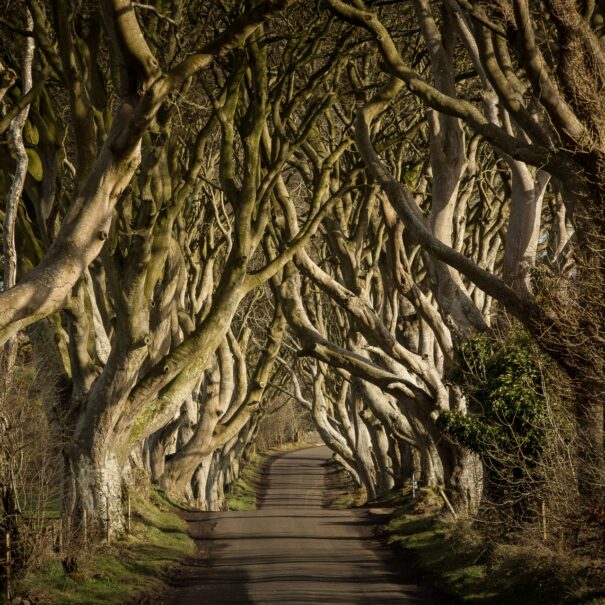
(292, 550)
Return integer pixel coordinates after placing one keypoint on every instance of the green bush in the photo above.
(507, 422)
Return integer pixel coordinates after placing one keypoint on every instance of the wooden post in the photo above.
(448, 503)
(52, 536)
(544, 532)
(85, 527)
(128, 514)
(107, 522)
(61, 536)
(7, 543)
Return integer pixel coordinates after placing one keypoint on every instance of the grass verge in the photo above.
(345, 493)
(245, 492)
(456, 560)
(116, 575)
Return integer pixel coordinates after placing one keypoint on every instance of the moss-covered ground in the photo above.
(115, 575)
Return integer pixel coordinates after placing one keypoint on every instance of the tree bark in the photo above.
(16, 189)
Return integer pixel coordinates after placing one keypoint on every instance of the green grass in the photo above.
(244, 495)
(115, 575)
(457, 561)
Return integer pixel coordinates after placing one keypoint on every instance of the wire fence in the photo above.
(63, 537)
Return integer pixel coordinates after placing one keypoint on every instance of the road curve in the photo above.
(292, 550)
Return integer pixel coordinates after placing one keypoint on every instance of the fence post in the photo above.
(107, 522)
(7, 543)
(544, 532)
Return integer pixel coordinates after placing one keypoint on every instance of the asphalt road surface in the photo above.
(292, 550)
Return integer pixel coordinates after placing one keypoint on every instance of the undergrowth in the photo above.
(115, 575)
(457, 560)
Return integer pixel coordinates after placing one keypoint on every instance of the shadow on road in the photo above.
(293, 550)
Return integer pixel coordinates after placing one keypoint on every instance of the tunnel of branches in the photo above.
(385, 219)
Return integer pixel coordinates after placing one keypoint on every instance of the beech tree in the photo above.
(543, 122)
(112, 302)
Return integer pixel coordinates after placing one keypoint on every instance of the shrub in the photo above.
(517, 422)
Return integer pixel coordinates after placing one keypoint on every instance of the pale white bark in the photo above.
(18, 182)
(524, 225)
(380, 453)
(102, 344)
